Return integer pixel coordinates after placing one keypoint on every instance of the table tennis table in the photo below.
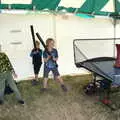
(102, 66)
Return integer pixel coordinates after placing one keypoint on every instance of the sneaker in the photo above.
(64, 88)
(21, 102)
(35, 82)
(1, 102)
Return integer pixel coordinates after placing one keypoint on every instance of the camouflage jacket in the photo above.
(5, 64)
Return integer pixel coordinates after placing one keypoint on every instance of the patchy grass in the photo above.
(55, 104)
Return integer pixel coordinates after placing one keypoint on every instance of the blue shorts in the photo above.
(54, 71)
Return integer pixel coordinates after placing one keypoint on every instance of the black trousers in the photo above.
(36, 68)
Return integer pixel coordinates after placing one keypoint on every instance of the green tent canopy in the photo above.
(91, 7)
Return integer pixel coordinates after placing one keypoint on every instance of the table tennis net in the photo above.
(89, 49)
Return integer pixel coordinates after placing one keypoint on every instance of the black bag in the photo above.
(91, 88)
(8, 90)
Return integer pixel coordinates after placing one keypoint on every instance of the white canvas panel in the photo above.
(72, 3)
(16, 1)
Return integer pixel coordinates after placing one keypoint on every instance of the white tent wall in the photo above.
(78, 28)
(63, 30)
(19, 54)
(118, 29)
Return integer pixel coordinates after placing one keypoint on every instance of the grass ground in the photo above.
(55, 104)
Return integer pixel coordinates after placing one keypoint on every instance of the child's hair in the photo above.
(37, 42)
(48, 41)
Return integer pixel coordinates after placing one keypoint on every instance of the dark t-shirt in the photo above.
(36, 56)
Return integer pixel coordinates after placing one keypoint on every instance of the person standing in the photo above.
(36, 55)
(50, 56)
(6, 77)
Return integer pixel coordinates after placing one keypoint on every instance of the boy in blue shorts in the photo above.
(50, 57)
(36, 55)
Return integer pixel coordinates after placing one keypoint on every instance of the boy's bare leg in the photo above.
(35, 81)
(45, 83)
(36, 77)
(60, 80)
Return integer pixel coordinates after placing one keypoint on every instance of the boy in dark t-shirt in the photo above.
(36, 55)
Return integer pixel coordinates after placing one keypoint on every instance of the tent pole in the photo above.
(114, 41)
(114, 25)
(54, 28)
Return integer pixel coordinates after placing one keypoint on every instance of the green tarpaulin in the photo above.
(94, 7)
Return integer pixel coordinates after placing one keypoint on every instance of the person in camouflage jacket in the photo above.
(5, 64)
(6, 77)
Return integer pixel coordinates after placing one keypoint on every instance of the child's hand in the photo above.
(55, 59)
(49, 57)
(35, 52)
